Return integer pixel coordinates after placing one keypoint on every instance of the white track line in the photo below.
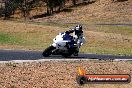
(43, 60)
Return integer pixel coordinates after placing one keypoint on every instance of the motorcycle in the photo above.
(63, 47)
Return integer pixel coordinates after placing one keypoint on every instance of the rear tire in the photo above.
(48, 51)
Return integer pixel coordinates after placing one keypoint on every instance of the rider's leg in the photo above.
(75, 48)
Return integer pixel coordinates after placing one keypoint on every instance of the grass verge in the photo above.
(34, 36)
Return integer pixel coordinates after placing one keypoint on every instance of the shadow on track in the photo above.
(9, 55)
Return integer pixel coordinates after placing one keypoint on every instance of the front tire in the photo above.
(48, 51)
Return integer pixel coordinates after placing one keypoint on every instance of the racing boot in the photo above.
(76, 51)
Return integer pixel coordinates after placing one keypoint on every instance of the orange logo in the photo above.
(83, 78)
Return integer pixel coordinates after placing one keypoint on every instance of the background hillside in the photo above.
(98, 11)
(69, 10)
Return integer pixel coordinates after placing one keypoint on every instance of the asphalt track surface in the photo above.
(26, 56)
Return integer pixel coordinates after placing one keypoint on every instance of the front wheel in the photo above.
(48, 51)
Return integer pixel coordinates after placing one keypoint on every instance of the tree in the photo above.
(60, 4)
(26, 6)
(53, 4)
(49, 4)
(74, 2)
(10, 7)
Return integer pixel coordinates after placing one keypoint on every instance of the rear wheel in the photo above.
(48, 51)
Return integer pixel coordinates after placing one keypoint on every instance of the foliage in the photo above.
(53, 4)
(25, 6)
(10, 7)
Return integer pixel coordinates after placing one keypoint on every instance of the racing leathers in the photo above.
(74, 44)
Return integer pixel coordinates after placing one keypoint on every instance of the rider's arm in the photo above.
(70, 31)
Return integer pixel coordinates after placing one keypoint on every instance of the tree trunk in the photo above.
(74, 2)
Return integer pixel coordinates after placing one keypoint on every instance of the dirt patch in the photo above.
(58, 74)
(10, 26)
(111, 37)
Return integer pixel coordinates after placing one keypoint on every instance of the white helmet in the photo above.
(78, 27)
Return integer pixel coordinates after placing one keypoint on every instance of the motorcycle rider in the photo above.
(65, 44)
(74, 44)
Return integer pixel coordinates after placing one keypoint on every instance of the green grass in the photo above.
(106, 50)
(116, 43)
(124, 30)
(36, 39)
(6, 38)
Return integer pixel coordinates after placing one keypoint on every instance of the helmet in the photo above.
(78, 27)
